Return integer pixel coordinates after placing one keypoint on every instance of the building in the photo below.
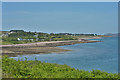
(20, 39)
(4, 35)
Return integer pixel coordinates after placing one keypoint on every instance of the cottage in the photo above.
(19, 39)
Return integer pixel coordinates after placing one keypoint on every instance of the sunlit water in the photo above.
(87, 56)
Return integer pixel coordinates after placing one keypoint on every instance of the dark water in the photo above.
(87, 56)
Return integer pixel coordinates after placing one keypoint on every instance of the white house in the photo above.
(19, 39)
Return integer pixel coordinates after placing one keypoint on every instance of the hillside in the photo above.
(37, 69)
(21, 37)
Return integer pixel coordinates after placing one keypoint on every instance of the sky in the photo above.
(56, 17)
(60, 0)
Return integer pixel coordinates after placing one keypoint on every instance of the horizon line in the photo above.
(60, 0)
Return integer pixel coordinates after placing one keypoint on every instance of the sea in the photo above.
(86, 56)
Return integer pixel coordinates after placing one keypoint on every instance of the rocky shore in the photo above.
(40, 47)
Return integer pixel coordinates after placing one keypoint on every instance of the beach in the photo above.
(41, 47)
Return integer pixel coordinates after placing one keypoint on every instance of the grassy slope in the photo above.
(37, 69)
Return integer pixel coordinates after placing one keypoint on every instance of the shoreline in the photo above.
(51, 43)
(42, 47)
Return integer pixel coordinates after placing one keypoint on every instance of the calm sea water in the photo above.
(87, 56)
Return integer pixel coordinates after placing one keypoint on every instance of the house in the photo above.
(4, 35)
(19, 39)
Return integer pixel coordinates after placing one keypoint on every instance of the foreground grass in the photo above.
(37, 69)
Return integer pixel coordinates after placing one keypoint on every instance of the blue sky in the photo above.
(73, 17)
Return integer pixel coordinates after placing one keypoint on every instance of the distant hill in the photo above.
(113, 34)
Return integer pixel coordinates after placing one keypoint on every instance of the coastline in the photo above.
(42, 47)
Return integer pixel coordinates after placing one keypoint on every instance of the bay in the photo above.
(87, 56)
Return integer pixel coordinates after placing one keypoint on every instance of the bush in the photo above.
(38, 69)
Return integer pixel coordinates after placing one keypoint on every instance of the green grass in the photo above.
(37, 69)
